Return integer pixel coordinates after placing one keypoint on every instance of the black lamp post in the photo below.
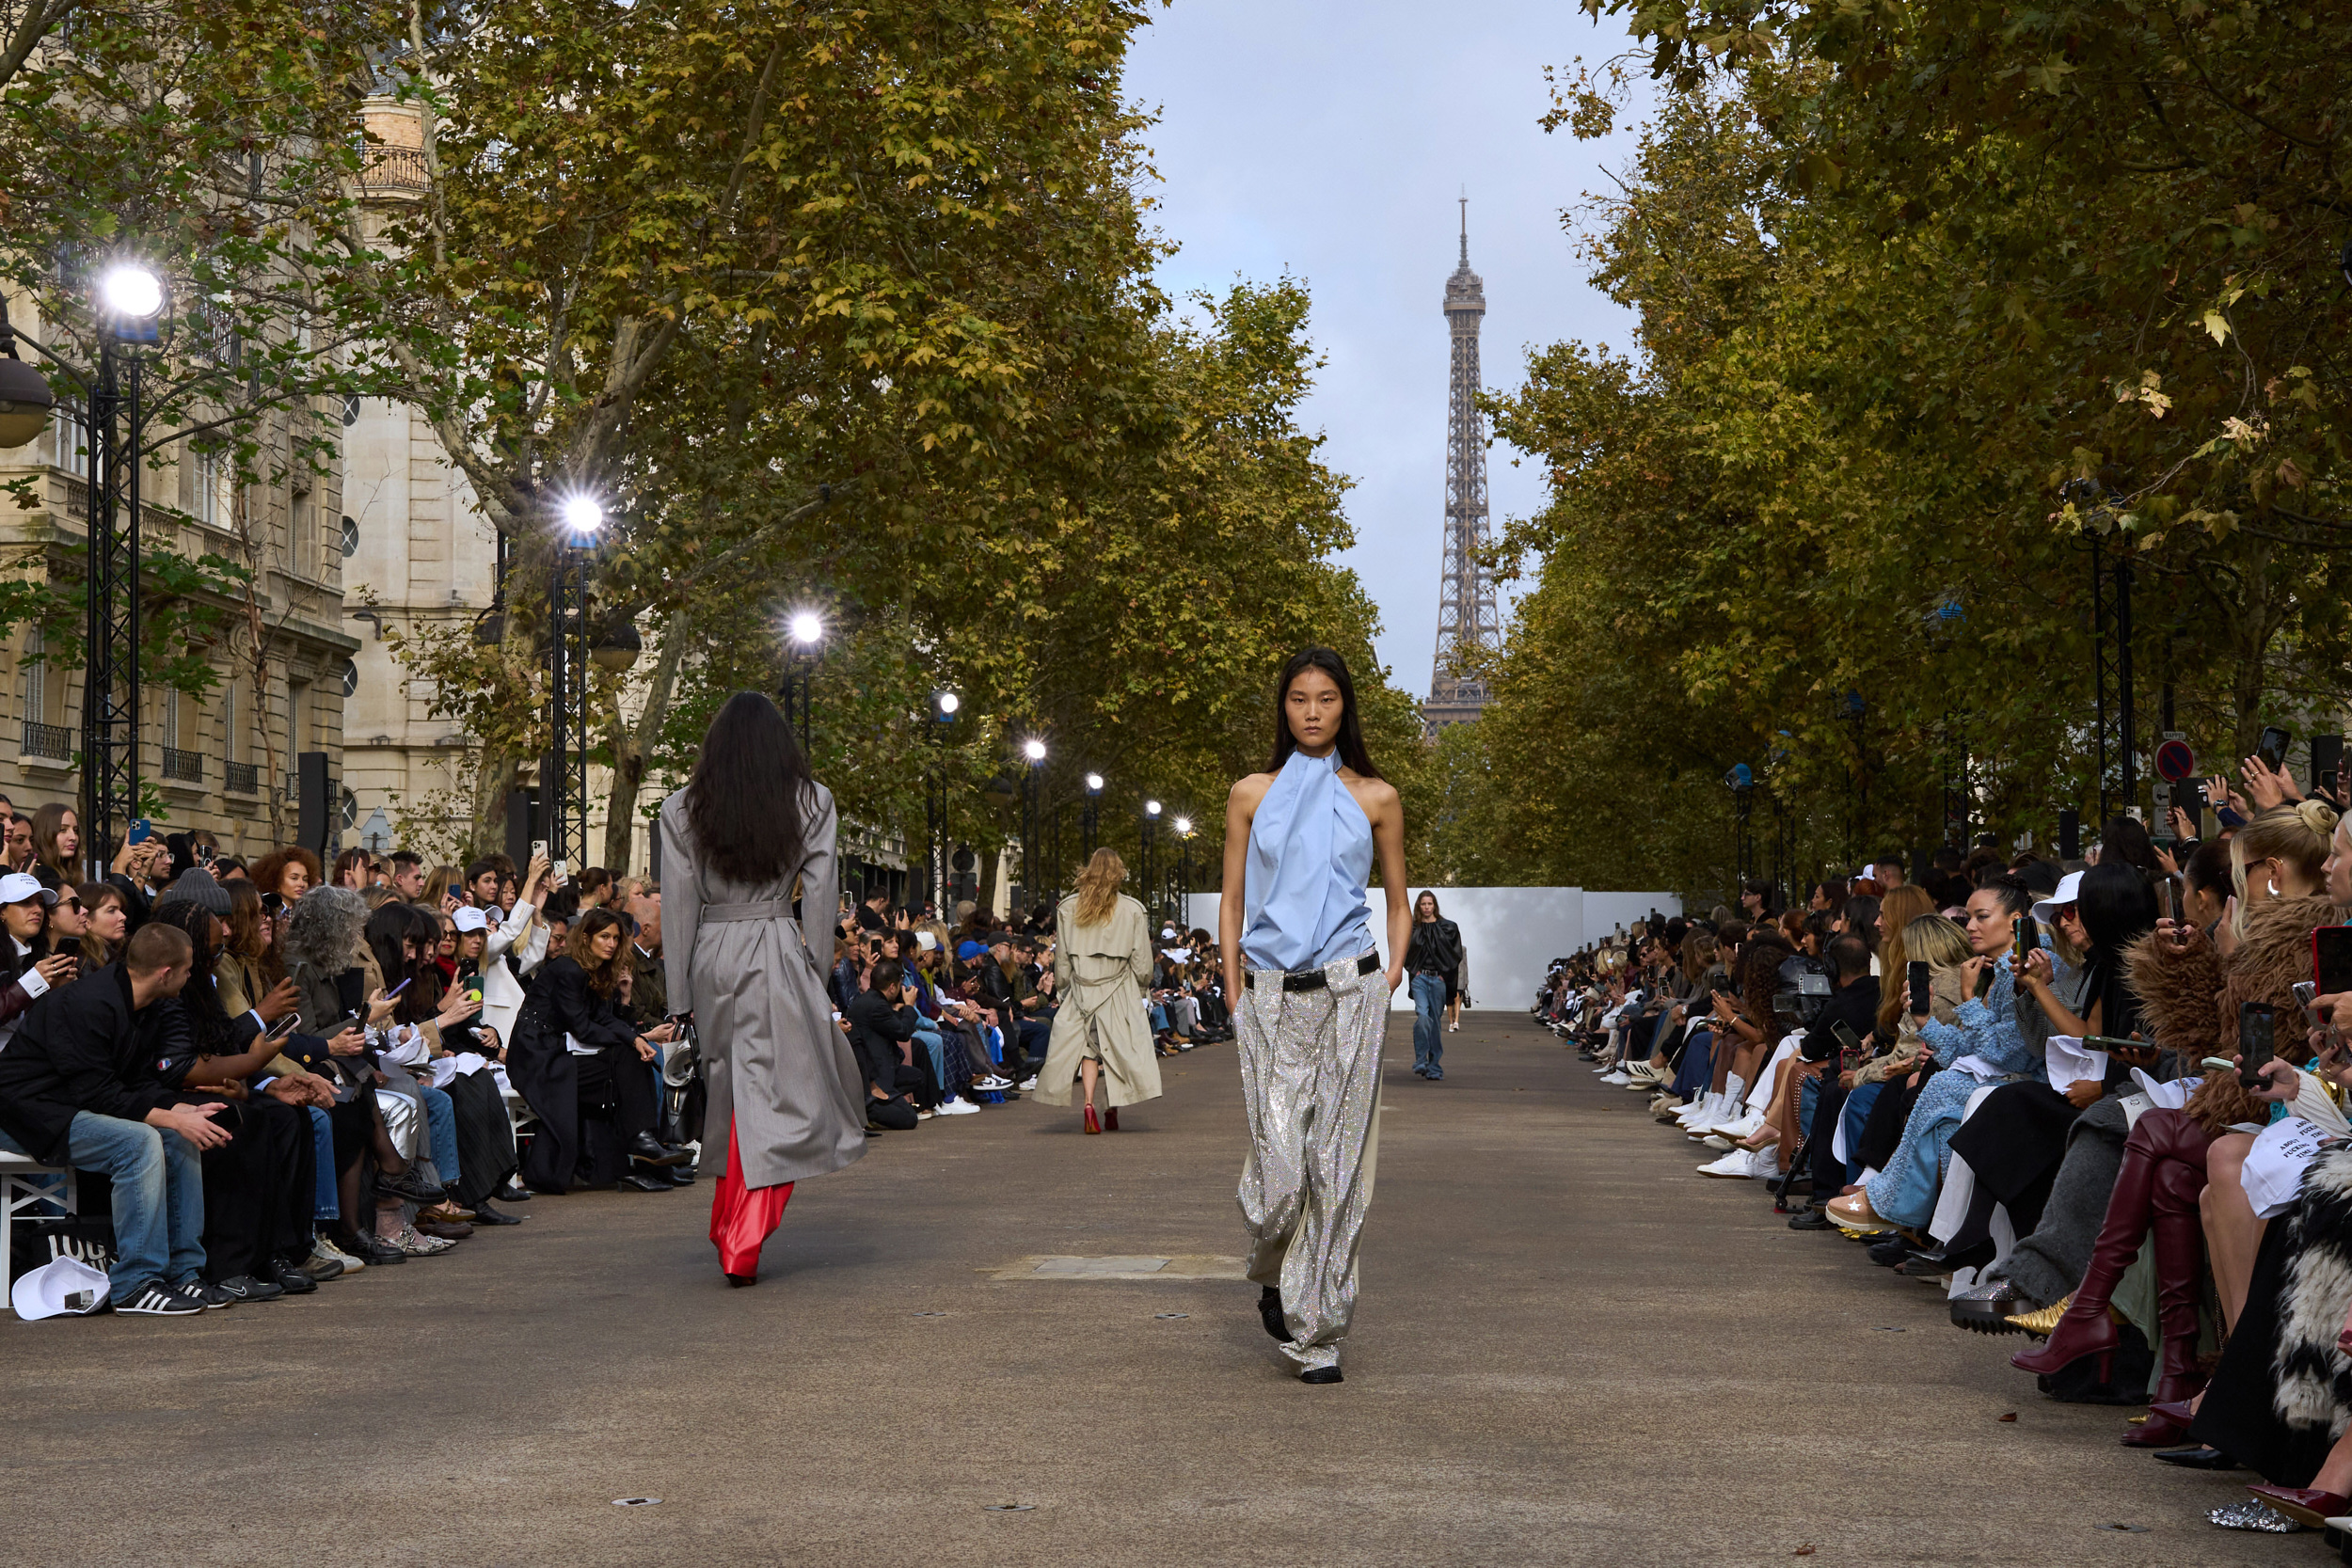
(579, 520)
(1091, 816)
(1032, 851)
(807, 633)
(1151, 836)
(944, 706)
(1740, 781)
(1183, 873)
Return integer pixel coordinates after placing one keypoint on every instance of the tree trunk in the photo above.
(633, 745)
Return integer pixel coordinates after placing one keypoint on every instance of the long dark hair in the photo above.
(1351, 738)
(750, 767)
(2117, 906)
(198, 998)
(604, 979)
(388, 931)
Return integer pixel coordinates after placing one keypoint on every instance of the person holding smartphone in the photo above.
(25, 906)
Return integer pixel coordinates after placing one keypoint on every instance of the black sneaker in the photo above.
(512, 1193)
(292, 1280)
(484, 1214)
(246, 1287)
(159, 1300)
(409, 1185)
(212, 1296)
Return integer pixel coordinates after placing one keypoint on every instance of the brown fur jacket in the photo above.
(2189, 996)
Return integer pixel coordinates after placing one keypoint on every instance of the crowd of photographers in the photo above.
(2100, 1105)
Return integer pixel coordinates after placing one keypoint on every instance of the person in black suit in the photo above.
(882, 1025)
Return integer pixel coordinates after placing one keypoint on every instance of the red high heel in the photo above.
(2087, 1329)
(1110, 1118)
(1092, 1125)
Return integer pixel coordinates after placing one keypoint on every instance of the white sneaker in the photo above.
(952, 1107)
(921, 1114)
(1717, 1141)
(1747, 1126)
(1764, 1164)
(1738, 1164)
(1618, 1078)
(1029, 1082)
(1700, 1112)
(992, 1082)
(323, 1248)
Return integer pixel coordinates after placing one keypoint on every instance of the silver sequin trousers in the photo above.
(1311, 1078)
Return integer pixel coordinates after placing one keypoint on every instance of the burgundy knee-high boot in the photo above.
(2089, 1327)
(2180, 1255)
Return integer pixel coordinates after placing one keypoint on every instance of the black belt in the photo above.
(1310, 980)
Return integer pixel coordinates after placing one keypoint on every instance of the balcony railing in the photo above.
(183, 766)
(241, 778)
(394, 169)
(47, 740)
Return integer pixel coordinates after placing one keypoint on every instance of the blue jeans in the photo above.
(440, 1120)
(158, 1181)
(927, 1035)
(326, 1202)
(1428, 995)
(1855, 1116)
(1697, 1069)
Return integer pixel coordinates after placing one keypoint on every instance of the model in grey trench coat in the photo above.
(1099, 975)
(773, 1058)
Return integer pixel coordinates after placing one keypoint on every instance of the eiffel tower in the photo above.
(1468, 621)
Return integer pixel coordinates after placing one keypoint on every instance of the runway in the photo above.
(1570, 1348)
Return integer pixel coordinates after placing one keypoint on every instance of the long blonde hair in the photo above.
(1097, 887)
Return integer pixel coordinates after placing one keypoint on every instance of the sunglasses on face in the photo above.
(73, 904)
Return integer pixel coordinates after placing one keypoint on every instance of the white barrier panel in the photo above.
(1510, 934)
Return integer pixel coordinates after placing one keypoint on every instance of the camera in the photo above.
(1802, 992)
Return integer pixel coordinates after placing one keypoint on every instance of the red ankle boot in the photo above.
(1110, 1118)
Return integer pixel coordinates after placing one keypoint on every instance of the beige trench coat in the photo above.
(1099, 975)
(773, 1061)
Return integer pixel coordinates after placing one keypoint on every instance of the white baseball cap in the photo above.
(925, 941)
(466, 918)
(63, 1286)
(17, 886)
(2044, 909)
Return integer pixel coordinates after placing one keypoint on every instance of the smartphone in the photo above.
(563, 870)
(2255, 1042)
(1984, 981)
(2326, 761)
(2332, 958)
(1922, 998)
(273, 902)
(283, 1027)
(1846, 1039)
(2027, 936)
(538, 848)
(2304, 992)
(2190, 798)
(398, 988)
(2171, 890)
(141, 831)
(2272, 747)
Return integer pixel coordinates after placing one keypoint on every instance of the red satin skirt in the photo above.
(743, 1218)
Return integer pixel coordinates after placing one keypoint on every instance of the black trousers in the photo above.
(614, 1075)
(1829, 1172)
(259, 1188)
(486, 1139)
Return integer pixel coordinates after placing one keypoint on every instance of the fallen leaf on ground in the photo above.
(1805, 1550)
(2010, 1417)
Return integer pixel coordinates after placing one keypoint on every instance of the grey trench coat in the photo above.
(773, 1061)
(1099, 975)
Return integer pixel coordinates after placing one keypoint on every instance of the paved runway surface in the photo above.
(1570, 1350)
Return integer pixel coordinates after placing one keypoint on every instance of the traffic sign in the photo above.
(2175, 761)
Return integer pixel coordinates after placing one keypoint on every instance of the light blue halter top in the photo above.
(1303, 901)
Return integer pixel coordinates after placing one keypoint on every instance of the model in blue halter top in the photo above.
(1309, 857)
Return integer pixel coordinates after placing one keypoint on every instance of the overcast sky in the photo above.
(1332, 140)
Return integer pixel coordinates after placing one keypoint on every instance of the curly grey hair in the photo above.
(325, 934)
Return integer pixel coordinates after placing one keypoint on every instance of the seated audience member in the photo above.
(76, 1088)
(572, 1049)
(27, 971)
(881, 1031)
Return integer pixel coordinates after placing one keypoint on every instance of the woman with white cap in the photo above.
(24, 978)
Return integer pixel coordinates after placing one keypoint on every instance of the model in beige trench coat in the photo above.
(1100, 973)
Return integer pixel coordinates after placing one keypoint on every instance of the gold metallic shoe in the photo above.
(2040, 1323)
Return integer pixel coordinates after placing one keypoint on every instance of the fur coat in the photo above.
(2189, 996)
(2314, 1378)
